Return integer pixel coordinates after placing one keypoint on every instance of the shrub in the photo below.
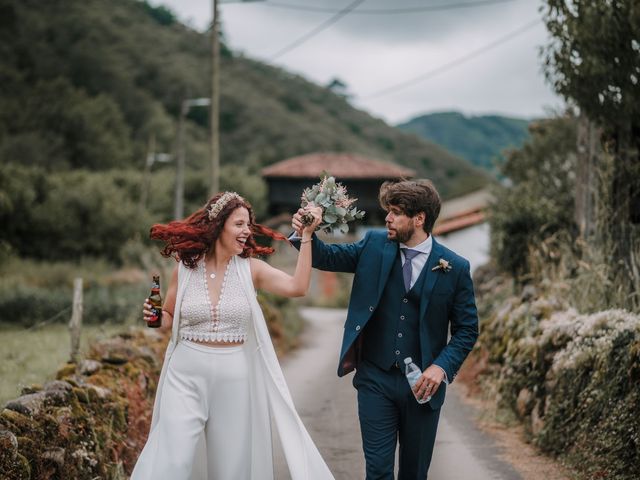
(28, 306)
(573, 379)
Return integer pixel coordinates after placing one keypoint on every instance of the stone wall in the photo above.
(93, 420)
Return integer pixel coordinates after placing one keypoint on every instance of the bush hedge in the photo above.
(572, 379)
(29, 306)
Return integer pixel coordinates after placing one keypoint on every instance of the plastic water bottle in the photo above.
(413, 373)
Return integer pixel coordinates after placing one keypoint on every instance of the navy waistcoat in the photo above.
(392, 333)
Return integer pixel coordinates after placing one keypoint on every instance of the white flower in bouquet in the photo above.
(337, 207)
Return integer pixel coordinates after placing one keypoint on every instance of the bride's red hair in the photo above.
(190, 239)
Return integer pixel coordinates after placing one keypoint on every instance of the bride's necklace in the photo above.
(212, 275)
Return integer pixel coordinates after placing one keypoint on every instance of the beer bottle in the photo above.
(156, 303)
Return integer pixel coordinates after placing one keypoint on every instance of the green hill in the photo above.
(88, 86)
(480, 140)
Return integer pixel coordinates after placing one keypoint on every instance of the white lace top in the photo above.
(225, 322)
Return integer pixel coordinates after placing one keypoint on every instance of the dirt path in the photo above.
(327, 405)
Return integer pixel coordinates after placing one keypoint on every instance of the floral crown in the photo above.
(218, 205)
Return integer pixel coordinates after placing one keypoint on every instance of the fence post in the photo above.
(75, 323)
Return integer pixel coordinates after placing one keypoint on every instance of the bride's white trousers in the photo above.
(206, 390)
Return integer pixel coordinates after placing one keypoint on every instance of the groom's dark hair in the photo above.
(412, 197)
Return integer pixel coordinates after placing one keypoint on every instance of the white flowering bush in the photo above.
(573, 379)
(593, 395)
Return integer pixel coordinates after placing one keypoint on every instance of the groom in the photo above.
(408, 293)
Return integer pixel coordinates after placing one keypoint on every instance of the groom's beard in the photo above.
(402, 235)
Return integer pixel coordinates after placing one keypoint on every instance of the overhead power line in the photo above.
(387, 11)
(324, 25)
(454, 63)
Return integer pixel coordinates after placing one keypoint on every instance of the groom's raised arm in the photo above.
(334, 257)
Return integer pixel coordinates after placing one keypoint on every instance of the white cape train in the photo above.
(270, 398)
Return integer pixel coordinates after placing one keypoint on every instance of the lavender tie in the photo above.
(407, 268)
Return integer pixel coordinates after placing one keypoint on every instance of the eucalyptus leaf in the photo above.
(340, 211)
(331, 209)
(330, 218)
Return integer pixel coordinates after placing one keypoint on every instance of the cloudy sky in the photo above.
(399, 58)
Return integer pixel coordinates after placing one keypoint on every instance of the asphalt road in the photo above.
(327, 405)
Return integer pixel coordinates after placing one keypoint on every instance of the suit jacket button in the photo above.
(371, 308)
(404, 300)
(357, 328)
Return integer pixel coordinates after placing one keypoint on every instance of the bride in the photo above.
(221, 383)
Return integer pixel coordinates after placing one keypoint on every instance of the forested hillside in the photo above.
(480, 140)
(87, 86)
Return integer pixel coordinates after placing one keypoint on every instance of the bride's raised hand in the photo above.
(316, 213)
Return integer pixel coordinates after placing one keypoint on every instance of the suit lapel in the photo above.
(388, 256)
(431, 277)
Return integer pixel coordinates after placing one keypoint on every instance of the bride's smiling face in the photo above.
(235, 232)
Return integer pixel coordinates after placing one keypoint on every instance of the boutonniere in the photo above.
(442, 265)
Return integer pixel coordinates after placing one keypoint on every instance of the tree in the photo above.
(539, 203)
(593, 60)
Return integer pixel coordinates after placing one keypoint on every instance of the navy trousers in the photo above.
(389, 414)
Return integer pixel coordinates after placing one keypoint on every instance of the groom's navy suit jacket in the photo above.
(446, 302)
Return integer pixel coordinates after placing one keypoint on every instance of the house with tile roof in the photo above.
(361, 176)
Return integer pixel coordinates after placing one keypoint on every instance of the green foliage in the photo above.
(59, 126)
(594, 57)
(33, 292)
(239, 179)
(480, 140)
(161, 14)
(69, 214)
(29, 306)
(288, 116)
(87, 87)
(593, 60)
(539, 203)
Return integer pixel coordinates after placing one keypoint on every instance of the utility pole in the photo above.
(215, 102)
(214, 112)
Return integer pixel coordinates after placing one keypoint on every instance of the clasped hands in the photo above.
(296, 221)
(428, 384)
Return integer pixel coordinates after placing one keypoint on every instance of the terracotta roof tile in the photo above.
(458, 223)
(340, 165)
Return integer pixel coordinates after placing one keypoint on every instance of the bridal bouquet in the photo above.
(337, 207)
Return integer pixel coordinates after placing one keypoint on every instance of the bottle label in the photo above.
(155, 314)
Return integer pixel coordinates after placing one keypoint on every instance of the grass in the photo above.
(31, 356)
